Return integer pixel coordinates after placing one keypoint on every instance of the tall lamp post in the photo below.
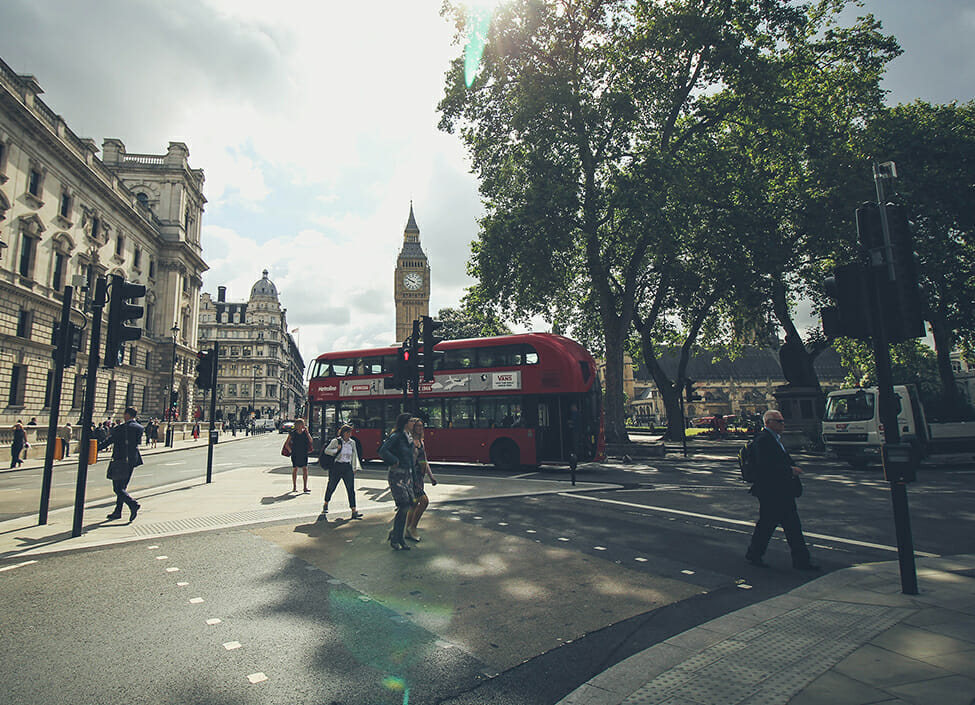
(170, 411)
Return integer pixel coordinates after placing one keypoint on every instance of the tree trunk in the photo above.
(613, 403)
(943, 343)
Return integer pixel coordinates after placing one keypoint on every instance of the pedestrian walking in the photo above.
(18, 445)
(776, 486)
(66, 435)
(346, 464)
(124, 439)
(196, 431)
(421, 470)
(298, 446)
(397, 452)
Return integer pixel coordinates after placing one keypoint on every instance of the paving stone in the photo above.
(837, 689)
(961, 663)
(953, 690)
(879, 667)
(933, 615)
(918, 643)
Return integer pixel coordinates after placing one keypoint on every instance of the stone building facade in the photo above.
(411, 281)
(68, 218)
(260, 372)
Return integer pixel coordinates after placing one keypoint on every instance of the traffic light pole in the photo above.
(211, 434)
(63, 342)
(888, 404)
(91, 382)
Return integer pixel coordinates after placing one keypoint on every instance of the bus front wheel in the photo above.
(505, 455)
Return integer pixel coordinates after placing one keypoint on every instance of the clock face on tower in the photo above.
(413, 281)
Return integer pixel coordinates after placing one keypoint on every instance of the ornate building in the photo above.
(411, 281)
(260, 372)
(67, 218)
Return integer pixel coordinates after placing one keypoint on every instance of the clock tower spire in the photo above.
(411, 281)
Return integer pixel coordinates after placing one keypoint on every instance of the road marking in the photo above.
(182, 584)
(599, 548)
(213, 621)
(256, 678)
(196, 600)
(161, 558)
(231, 645)
(173, 569)
(181, 462)
(149, 548)
(641, 559)
(19, 565)
(738, 522)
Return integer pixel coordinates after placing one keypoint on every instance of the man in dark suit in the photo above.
(124, 439)
(777, 487)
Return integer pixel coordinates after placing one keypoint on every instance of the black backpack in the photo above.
(326, 460)
(748, 463)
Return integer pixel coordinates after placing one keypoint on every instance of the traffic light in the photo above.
(401, 367)
(850, 317)
(74, 342)
(689, 393)
(206, 367)
(120, 312)
(900, 297)
(430, 340)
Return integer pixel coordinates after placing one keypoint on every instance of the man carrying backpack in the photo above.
(776, 484)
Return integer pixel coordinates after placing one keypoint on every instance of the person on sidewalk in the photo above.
(18, 445)
(298, 445)
(397, 452)
(776, 488)
(421, 469)
(124, 439)
(66, 439)
(196, 435)
(346, 464)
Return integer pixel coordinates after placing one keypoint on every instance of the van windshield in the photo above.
(856, 406)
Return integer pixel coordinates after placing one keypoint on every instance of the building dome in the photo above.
(264, 287)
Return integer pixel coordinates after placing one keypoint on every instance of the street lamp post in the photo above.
(170, 412)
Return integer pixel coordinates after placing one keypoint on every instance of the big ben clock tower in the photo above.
(411, 283)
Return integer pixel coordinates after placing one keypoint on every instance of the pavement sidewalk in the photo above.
(846, 638)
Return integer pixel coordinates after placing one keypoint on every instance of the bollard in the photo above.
(92, 451)
(58, 449)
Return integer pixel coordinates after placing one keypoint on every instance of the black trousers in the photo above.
(773, 512)
(120, 481)
(343, 472)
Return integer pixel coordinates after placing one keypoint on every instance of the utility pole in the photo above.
(61, 354)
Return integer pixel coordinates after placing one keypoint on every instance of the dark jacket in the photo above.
(125, 439)
(397, 449)
(775, 478)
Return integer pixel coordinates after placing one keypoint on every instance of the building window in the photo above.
(57, 280)
(96, 225)
(148, 358)
(129, 395)
(142, 198)
(132, 358)
(78, 392)
(110, 397)
(147, 319)
(145, 399)
(18, 385)
(24, 321)
(152, 268)
(119, 245)
(28, 247)
(231, 390)
(48, 388)
(137, 258)
(35, 182)
(64, 209)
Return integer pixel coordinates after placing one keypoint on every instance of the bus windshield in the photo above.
(855, 406)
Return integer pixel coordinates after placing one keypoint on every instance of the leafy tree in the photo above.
(470, 322)
(934, 149)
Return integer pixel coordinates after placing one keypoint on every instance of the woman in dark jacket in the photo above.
(299, 443)
(17, 447)
(397, 452)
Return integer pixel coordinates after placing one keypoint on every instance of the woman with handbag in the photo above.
(18, 445)
(298, 446)
(397, 452)
(346, 462)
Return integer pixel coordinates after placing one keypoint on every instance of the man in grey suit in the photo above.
(124, 439)
(777, 486)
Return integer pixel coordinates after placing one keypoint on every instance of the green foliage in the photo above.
(475, 319)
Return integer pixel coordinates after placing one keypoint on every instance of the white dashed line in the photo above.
(19, 565)
(150, 548)
(562, 538)
(213, 621)
(172, 569)
(641, 559)
(687, 572)
(196, 600)
(502, 523)
(255, 678)
(182, 584)
(530, 531)
(599, 548)
(744, 586)
(231, 645)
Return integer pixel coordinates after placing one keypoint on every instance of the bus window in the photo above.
(372, 366)
(499, 412)
(458, 359)
(529, 356)
(350, 412)
(499, 356)
(373, 413)
(341, 368)
(459, 412)
(315, 422)
(431, 411)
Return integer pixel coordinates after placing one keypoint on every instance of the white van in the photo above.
(852, 428)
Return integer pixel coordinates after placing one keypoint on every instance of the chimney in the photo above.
(221, 294)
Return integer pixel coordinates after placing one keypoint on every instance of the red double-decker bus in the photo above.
(512, 400)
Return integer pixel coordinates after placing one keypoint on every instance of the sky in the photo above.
(315, 123)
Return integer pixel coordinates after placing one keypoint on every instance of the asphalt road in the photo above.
(482, 611)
